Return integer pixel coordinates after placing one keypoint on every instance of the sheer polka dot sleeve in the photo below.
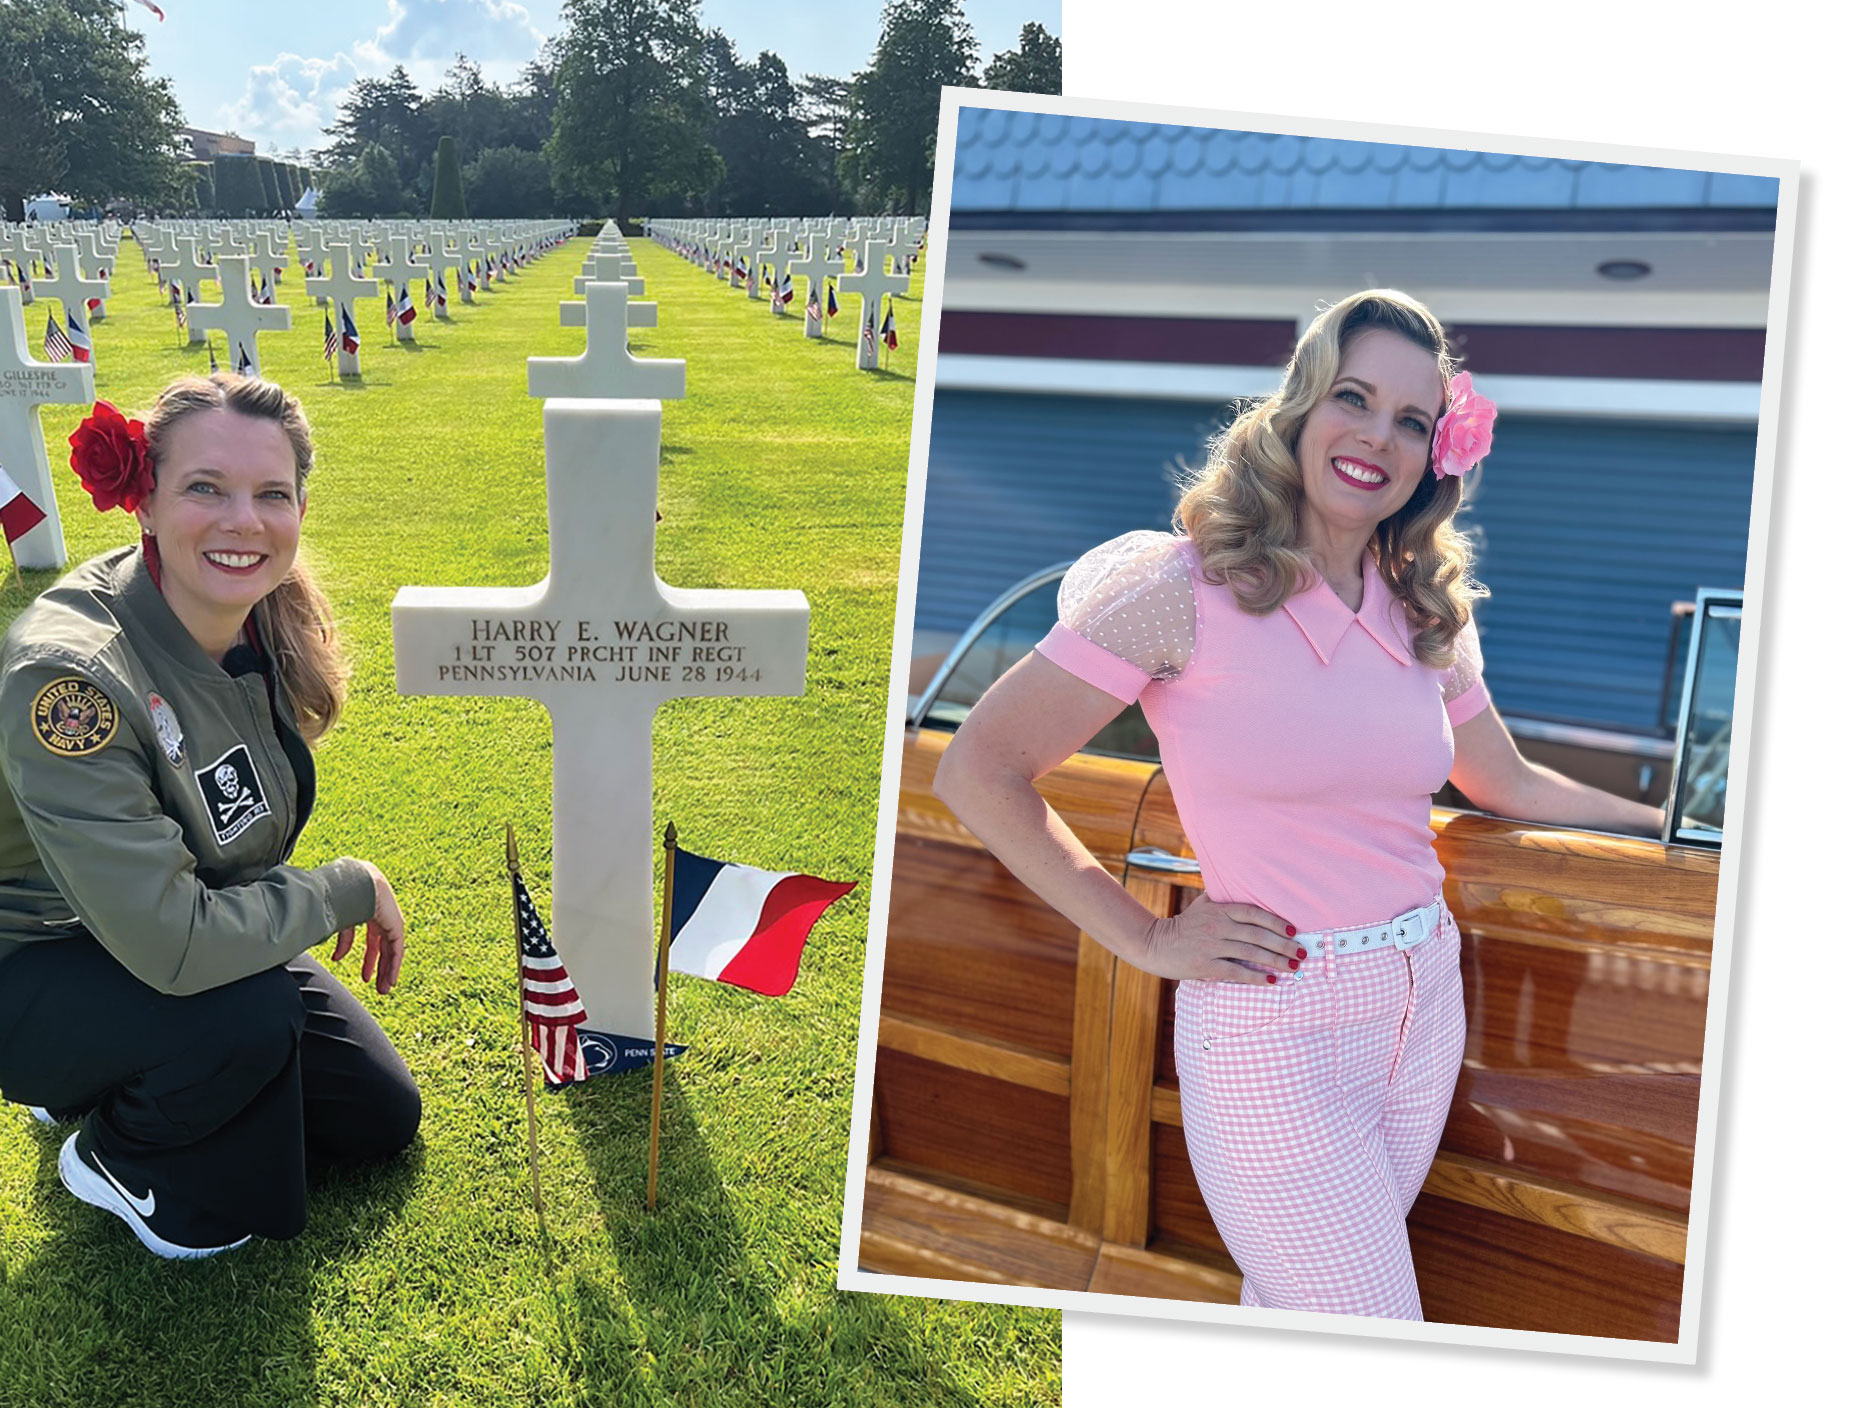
(1464, 693)
(1127, 614)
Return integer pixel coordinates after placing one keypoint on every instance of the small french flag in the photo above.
(743, 926)
(18, 514)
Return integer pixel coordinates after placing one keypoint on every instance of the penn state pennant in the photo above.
(72, 717)
(609, 1054)
(233, 794)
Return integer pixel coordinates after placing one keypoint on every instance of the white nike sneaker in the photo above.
(91, 1182)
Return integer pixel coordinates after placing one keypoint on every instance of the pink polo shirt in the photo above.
(1302, 747)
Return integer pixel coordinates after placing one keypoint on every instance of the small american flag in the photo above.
(180, 311)
(57, 345)
(869, 331)
(548, 997)
(331, 344)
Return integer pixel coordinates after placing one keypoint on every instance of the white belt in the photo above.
(1407, 930)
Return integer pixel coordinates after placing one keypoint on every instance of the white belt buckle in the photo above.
(1409, 930)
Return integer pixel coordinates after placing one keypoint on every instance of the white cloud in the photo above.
(287, 103)
(290, 101)
(435, 31)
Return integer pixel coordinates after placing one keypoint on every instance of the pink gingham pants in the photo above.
(1312, 1110)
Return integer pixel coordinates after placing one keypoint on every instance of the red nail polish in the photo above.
(1293, 963)
(1290, 933)
(1271, 977)
(1300, 953)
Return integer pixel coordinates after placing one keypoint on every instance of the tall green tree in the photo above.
(447, 197)
(388, 113)
(772, 165)
(241, 189)
(267, 179)
(895, 102)
(365, 188)
(509, 183)
(631, 105)
(1034, 66)
(82, 113)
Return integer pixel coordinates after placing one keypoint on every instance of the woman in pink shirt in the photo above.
(1306, 658)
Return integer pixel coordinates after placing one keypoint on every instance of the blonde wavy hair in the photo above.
(294, 619)
(1242, 510)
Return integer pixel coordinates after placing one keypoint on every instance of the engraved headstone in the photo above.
(25, 385)
(601, 641)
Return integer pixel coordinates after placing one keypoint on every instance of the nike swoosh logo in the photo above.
(145, 1206)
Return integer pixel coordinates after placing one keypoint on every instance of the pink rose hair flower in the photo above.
(1464, 435)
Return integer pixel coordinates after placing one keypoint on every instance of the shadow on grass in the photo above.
(714, 1303)
(94, 1319)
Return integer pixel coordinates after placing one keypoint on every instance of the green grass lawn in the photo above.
(425, 1282)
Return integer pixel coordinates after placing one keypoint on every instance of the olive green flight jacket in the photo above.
(150, 797)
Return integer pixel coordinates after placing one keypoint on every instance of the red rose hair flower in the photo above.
(110, 455)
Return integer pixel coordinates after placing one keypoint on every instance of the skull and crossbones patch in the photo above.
(233, 795)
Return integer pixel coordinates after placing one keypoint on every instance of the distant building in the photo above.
(1111, 287)
(207, 145)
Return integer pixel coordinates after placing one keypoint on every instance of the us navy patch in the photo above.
(73, 717)
(233, 795)
(167, 729)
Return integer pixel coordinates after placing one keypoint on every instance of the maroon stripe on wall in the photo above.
(1232, 342)
(1667, 354)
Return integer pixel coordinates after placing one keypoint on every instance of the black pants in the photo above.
(225, 1101)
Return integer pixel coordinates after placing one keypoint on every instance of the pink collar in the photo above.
(1324, 619)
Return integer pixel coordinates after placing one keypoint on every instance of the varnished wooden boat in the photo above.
(1026, 1126)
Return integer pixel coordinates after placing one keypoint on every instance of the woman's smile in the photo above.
(1360, 472)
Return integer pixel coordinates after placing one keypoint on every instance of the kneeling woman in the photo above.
(1304, 652)
(156, 711)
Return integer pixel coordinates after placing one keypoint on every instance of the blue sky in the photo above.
(276, 74)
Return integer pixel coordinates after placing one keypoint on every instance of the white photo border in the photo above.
(1685, 1349)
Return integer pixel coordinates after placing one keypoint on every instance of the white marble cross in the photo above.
(191, 271)
(601, 641)
(779, 259)
(25, 385)
(446, 264)
(344, 286)
(236, 315)
(606, 368)
(610, 269)
(636, 315)
(397, 268)
(869, 283)
(815, 266)
(101, 261)
(68, 285)
(737, 247)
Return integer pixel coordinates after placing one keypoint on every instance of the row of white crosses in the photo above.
(27, 383)
(803, 249)
(65, 254)
(602, 642)
(174, 249)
